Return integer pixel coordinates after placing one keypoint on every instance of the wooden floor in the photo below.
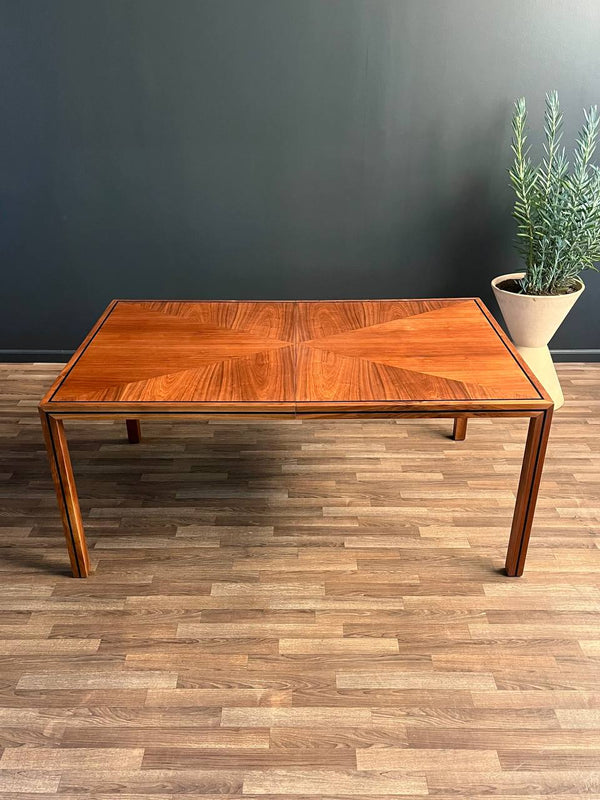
(299, 609)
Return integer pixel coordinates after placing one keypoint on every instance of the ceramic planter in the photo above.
(532, 321)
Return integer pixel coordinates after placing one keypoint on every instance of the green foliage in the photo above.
(557, 209)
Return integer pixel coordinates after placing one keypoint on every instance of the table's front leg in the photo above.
(529, 483)
(66, 492)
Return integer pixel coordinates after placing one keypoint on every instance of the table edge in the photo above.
(424, 407)
(62, 375)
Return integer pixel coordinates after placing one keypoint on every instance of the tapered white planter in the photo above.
(532, 321)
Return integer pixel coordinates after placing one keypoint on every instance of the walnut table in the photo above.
(372, 358)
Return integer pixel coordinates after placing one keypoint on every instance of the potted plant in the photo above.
(558, 217)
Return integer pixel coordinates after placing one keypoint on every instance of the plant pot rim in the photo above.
(517, 275)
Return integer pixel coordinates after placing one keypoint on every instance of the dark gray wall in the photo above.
(269, 149)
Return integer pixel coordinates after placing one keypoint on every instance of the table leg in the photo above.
(460, 428)
(66, 492)
(529, 482)
(134, 430)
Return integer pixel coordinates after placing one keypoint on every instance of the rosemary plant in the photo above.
(557, 209)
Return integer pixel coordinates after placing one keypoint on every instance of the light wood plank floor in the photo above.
(299, 610)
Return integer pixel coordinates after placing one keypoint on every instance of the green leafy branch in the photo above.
(557, 211)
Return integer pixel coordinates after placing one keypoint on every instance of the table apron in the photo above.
(299, 415)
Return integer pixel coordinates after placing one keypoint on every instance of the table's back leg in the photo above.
(529, 483)
(134, 430)
(66, 492)
(460, 428)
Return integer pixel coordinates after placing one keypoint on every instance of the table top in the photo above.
(308, 356)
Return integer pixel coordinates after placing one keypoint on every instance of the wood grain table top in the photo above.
(294, 357)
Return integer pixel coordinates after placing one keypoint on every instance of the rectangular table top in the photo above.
(355, 355)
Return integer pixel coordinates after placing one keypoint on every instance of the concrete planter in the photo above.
(532, 321)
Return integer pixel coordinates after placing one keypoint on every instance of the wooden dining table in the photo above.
(308, 359)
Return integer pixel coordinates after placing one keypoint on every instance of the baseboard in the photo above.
(52, 356)
(28, 356)
(575, 355)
